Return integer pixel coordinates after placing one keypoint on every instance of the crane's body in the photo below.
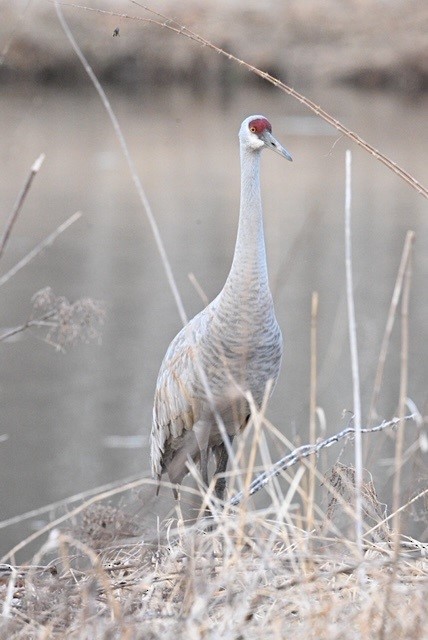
(232, 347)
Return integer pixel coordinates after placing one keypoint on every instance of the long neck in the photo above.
(249, 261)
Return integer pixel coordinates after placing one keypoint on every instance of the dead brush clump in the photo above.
(102, 524)
(242, 574)
(64, 323)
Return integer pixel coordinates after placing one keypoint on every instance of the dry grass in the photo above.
(290, 567)
(246, 574)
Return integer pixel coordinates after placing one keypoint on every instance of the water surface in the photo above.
(61, 410)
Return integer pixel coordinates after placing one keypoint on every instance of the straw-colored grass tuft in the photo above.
(244, 574)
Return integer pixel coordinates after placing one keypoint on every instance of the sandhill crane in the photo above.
(230, 348)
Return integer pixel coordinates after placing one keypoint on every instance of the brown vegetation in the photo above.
(245, 574)
(368, 43)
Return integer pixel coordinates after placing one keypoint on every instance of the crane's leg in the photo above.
(204, 465)
(222, 458)
(201, 432)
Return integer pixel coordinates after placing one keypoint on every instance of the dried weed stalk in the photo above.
(63, 323)
(342, 479)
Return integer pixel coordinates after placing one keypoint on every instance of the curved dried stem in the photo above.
(173, 25)
(307, 450)
(125, 150)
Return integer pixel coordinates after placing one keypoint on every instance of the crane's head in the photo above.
(256, 133)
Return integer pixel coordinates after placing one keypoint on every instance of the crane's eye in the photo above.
(253, 129)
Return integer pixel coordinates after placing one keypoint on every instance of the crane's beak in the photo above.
(272, 143)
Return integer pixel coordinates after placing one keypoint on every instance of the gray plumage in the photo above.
(234, 345)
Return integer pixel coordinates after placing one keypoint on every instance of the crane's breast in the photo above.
(209, 368)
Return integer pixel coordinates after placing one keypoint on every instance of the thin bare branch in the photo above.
(168, 23)
(183, 30)
(137, 182)
(35, 322)
(39, 248)
(19, 202)
(307, 450)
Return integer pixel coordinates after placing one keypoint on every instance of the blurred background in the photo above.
(81, 418)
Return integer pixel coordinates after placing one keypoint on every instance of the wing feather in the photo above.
(174, 405)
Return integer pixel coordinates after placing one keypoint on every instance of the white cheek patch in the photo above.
(256, 143)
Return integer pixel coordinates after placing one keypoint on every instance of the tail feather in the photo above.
(158, 478)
